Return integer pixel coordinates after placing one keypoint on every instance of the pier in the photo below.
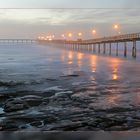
(15, 41)
(94, 45)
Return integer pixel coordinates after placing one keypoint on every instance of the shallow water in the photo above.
(105, 81)
(35, 68)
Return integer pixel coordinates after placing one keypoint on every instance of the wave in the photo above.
(20, 83)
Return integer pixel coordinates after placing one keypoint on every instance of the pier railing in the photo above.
(120, 38)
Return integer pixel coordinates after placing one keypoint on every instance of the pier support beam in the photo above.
(117, 45)
(99, 48)
(134, 49)
(78, 45)
(88, 46)
(104, 48)
(110, 48)
(94, 47)
(91, 47)
(125, 49)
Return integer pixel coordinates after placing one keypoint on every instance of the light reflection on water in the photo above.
(117, 80)
(115, 68)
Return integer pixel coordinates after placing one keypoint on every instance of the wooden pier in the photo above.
(94, 45)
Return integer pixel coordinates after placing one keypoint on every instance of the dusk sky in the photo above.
(29, 23)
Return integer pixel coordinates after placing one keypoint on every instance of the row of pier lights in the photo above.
(94, 45)
(116, 27)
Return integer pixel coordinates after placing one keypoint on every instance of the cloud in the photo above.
(33, 22)
(69, 4)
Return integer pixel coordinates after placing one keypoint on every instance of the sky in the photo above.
(32, 18)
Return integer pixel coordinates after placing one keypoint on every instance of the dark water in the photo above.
(36, 69)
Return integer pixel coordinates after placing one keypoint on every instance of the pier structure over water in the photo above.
(15, 41)
(94, 45)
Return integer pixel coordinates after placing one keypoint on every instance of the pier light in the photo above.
(80, 34)
(39, 37)
(94, 31)
(63, 36)
(117, 29)
(70, 35)
(116, 26)
(42, 38)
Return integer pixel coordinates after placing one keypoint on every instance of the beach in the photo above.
(50, 88)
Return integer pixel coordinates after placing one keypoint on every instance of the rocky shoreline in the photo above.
(63, 110)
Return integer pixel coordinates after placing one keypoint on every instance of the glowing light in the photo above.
(63, 36)
(39, 37)
(70, 58)
(115, 64)
(70, 35)
(79, 34)
(113, 99)
(116, 26)
(93, 63)
(94, 31)
(115, 77)
(42, 38)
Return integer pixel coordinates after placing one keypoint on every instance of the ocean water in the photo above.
(37, 68)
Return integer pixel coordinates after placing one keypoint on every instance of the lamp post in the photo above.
(80, 36)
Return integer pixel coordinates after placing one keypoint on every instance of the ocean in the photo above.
(100, 82)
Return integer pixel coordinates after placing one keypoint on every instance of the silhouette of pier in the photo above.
(15, 41)
(94, 45)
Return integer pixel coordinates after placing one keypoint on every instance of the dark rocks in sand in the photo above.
(71, 75)
(15, 105)
(32, 100)
(21, 103)
(65, 125)
(8, 125)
